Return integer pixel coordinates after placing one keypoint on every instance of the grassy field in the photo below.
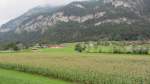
(86, 68)
(14, 77)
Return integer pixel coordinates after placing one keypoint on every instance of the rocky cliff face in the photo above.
(94, 13)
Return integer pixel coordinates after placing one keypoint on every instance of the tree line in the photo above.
(112, 47)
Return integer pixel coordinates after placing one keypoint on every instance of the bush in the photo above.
(119, 50)
(79, 48)
(11, 46)
(140, 50)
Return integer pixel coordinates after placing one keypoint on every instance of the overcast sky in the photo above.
(10, 9)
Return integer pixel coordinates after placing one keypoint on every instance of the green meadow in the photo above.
(14, 77)
(71, 66)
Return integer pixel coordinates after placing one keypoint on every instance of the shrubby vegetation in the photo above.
(14, 46)
(79, 47)
(113, 47)
(139, 50)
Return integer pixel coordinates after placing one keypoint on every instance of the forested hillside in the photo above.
(81, 21)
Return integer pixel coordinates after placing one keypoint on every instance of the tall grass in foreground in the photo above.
(89, 77)
(86, 68)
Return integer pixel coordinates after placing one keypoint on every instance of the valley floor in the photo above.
(86, 68)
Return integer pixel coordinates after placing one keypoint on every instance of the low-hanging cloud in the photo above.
(13, 8)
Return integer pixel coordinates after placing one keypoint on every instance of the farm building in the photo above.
(55, 46)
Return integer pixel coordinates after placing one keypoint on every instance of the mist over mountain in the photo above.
(81, 21)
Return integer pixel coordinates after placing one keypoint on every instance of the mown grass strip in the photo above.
(15, 77)
(38, 71)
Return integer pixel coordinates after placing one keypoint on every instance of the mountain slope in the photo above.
(81, 21)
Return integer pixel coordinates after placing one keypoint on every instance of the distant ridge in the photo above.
(81, 21)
